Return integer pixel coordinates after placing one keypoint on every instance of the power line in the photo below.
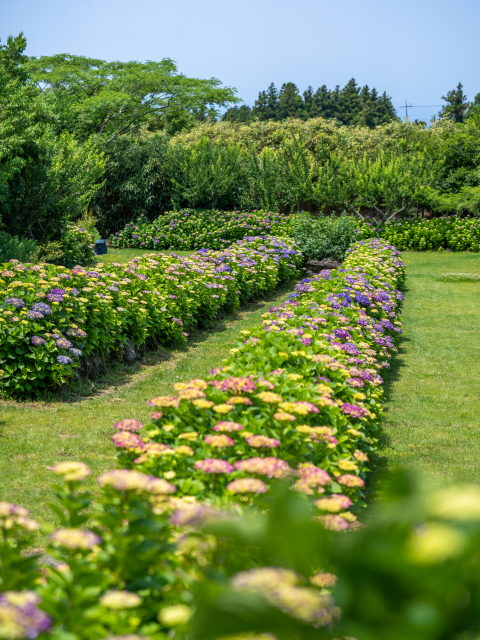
(415, 106)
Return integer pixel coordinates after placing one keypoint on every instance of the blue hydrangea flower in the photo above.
(64, 360)
(75, 352)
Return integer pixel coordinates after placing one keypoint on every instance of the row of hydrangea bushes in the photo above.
(195, 229)
(52, 316)
(300, 398)
(418, 234)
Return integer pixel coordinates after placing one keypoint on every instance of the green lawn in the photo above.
(433, 389)
(36, 435)
(124, 255)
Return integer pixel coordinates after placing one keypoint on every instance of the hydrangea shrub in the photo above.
(50, 315)
(418, 234)
(193, 229)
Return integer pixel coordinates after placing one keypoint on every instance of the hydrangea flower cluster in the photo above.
(58, 314)
(304, 386)
(190, 229)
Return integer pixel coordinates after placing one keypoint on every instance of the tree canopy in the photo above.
(457, 104)
(111, 99)
(352, 105)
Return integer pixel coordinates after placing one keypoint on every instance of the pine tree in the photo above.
(456, 105)
(290, 103)
(308, 101)
(350, 104)
(385, 111)
(272, 102)
(260, 108)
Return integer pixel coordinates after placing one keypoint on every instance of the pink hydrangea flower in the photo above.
(214, 465)
(242, 384)
(349, 480)
(271, 467)
(334, 503)
(220, 441)
(353, 410)
(226, 425)
(127, 440)
(128, 424)
(334, 522)
(262, 441)
(247, 485)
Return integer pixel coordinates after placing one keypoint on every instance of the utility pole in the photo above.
(406, 111)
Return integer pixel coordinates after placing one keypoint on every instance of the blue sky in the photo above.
(414, 49)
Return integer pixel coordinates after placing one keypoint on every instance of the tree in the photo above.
(456, 105)
(236, 114)
(386, 184)
(138, 181)
(290, 103)
(351, 103)
(44, 180)
(474, 108)
(308, 101)
(115, 98)
(265, 107)
(12, 57)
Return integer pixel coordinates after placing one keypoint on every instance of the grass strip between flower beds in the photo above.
(51, 316)
(300, 397)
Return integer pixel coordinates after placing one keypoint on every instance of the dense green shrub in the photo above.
(12, 247)
(192, 229)
(51, 315)
(137, 182)
(74, 248)
(324, 237)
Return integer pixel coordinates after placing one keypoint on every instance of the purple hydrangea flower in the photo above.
(37, 340)
(42, 307)
(64, 360)
(362, 300)
(34, 315)
(18, 303)
(76, 352)
(63, 343)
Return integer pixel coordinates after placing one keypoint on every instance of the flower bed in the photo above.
(192, 229)
(462, 234)
(301, 397)
(50, 315)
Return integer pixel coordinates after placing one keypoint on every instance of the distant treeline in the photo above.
(352, 105)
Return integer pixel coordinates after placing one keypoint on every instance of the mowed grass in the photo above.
(125, 255)
(433, 389)
(36, 435)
